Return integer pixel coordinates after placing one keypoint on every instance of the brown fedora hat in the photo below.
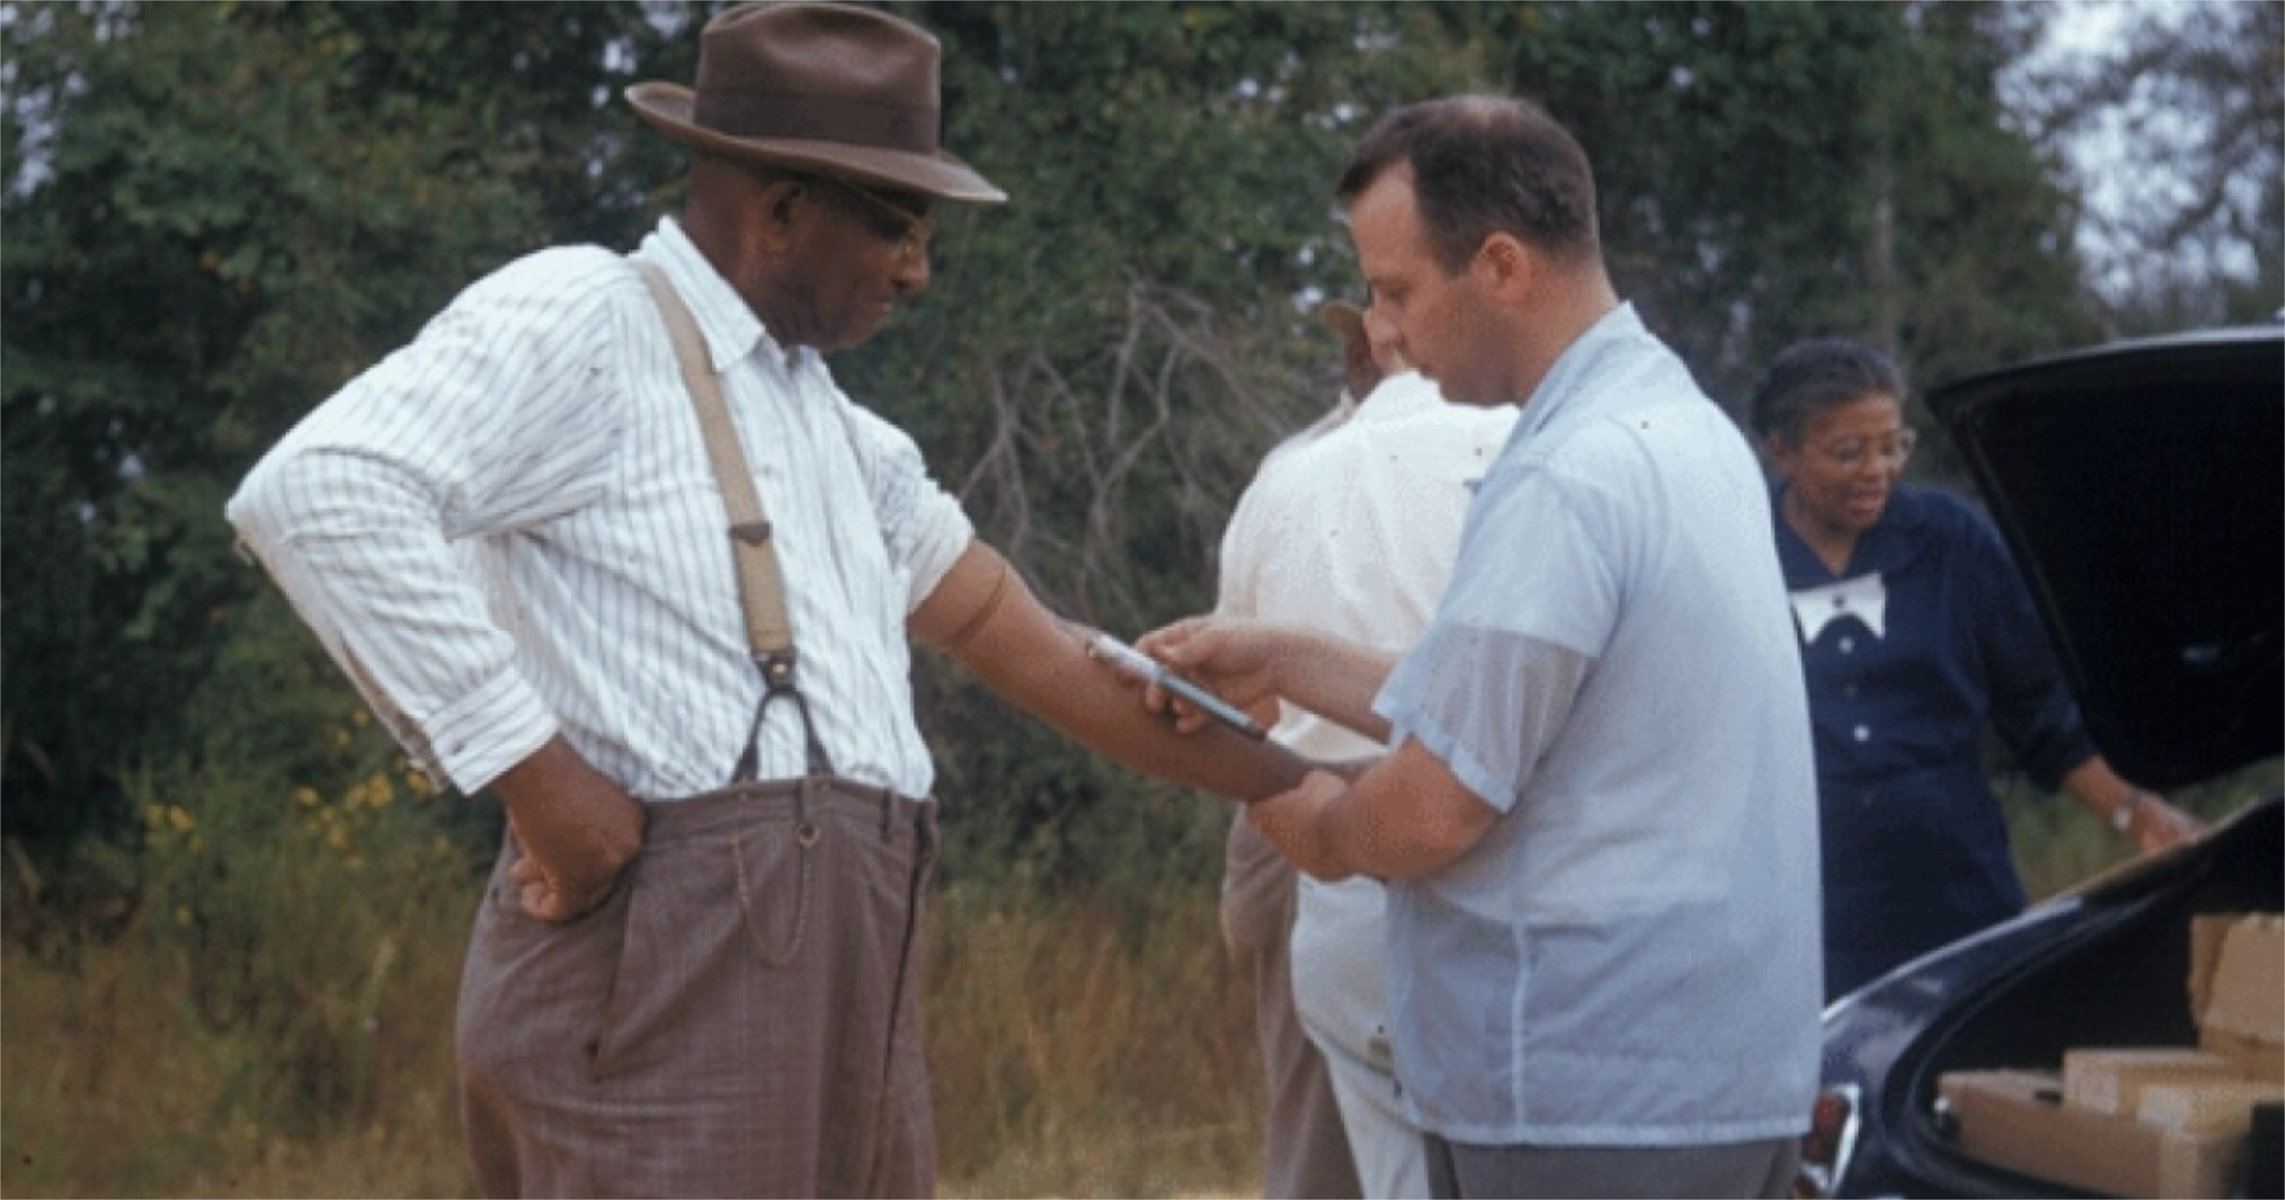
(837, 88)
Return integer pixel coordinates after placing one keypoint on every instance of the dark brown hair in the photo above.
(1483, 165)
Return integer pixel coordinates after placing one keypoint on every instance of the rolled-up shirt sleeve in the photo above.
(493, 419)
(1516, 692)
(925, 528)
(1490, 685)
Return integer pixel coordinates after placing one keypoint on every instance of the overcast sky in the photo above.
(2101, 150)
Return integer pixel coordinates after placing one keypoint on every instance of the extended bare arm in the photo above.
(984, 616)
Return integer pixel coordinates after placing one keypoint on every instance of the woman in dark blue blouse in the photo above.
(1916, 631)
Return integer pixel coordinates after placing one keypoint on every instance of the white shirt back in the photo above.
(1351, 527)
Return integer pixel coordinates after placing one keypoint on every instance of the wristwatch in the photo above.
(2122, 813)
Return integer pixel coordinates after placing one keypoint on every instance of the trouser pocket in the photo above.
(773, 865)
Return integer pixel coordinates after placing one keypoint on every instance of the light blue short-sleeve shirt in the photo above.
(1630, 956)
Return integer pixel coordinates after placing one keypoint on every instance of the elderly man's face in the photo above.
(1443, 323)
(860, 253)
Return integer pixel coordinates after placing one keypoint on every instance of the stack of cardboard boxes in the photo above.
(2153, 1120)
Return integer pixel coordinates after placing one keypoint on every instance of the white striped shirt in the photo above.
(509, 528)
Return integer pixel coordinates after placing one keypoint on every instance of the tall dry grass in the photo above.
(113, 1084)
(1080, 1051)
(279, 1024)
(1077, 1052)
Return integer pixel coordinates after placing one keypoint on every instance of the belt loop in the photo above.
(888, 811)
(804, 830)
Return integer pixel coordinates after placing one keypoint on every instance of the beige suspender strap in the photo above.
(761, 591)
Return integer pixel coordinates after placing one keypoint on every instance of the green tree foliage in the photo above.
(1102, 361)
(1768, 172)
(1777, 171)
(217, 213)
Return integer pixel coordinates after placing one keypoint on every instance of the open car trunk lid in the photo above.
(2141, 487)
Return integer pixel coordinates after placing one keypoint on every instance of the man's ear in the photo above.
(1513, 268)
(778, 209)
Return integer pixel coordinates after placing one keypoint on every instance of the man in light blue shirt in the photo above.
(1598, 815)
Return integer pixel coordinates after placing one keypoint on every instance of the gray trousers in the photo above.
(740, 1018)
(1742, 1169)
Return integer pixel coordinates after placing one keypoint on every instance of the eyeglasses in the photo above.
(1852, 452)
(891, 221)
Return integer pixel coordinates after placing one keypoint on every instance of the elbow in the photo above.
(1436, 844)
(1453, 832)
(263, 509)
(1424, 838)
(296, 493)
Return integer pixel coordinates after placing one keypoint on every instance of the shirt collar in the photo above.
(731, 330)
(1576, 365)
(1399, 396)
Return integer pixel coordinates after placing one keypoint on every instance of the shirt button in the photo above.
(1848, 645)
(1863, 733)
(1849, 690)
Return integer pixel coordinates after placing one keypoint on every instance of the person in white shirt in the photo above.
(1348, 528)
(695, 971)
(1597, 814)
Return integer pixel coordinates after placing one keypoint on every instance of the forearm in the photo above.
(1402, 818)
(990, 623)
(504, 413)
(1333, 678)
(2131, 811)
(2099, 789)
(1406, 816)
(363, 560)
(1086, 701)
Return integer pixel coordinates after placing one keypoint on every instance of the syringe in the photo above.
(1137, 665)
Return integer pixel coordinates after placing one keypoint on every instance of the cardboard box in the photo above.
(2110, 1079)
(2016, 1120)
(2246, 995)
(2255, 1059)
(2224, 1105)
(2206, 931)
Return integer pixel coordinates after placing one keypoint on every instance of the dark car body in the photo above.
(2141, 488)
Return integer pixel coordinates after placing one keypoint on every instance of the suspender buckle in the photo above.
(776, 667)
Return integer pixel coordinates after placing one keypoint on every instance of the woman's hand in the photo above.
(2156, 825)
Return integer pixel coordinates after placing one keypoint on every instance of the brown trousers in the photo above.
(740, 1018)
